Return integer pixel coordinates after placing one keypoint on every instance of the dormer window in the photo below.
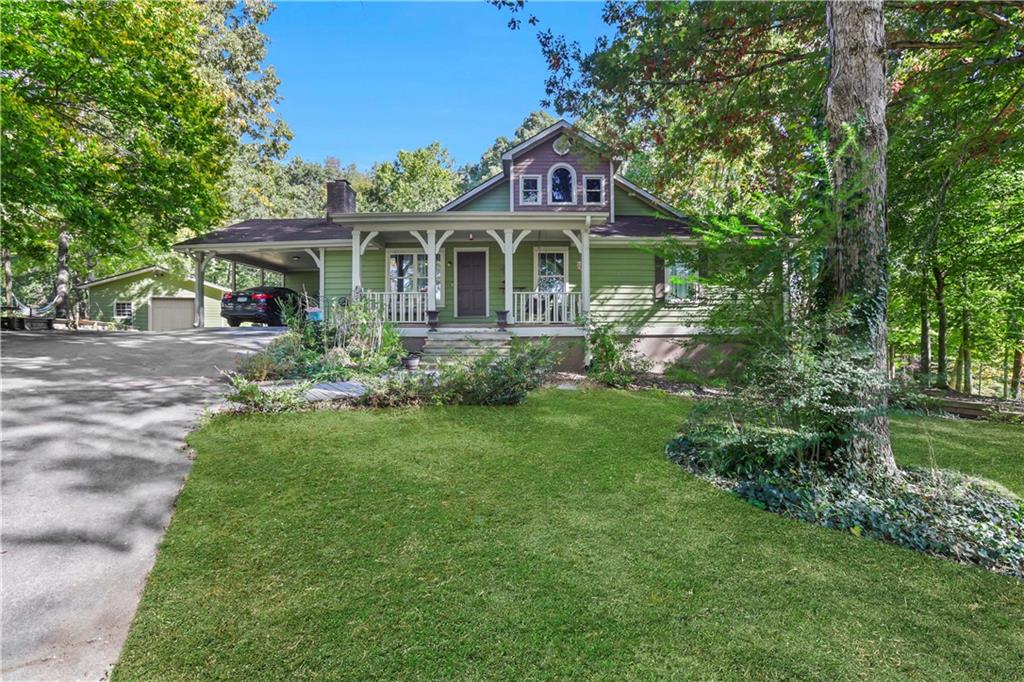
(529, 190)
(593, 189)
(562, 185)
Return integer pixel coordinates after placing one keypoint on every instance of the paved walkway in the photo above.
(92, 461)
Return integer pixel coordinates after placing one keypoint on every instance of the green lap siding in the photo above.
(622, 290)
(494, 199)
(306, 283)
(622, 282)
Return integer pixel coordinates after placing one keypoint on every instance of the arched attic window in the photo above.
(562, 184)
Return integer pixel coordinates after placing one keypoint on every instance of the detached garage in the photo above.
(152, 299)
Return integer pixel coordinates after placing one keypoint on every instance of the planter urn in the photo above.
(411, 361)
(502, 320)
(432, 320)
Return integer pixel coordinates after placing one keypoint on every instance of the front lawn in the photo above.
(550, 540)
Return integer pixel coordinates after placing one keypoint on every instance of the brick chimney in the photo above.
(341, 198)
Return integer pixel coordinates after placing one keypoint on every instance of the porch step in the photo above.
(439, 346)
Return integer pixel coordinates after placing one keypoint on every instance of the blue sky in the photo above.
(361, 80)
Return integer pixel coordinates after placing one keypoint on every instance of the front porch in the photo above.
(473, 270)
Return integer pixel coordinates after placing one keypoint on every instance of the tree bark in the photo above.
(965, 351)
(856, 275)
(942, 359)
(1018, 365)
(8, 279)
(60, 285)
(926, 331)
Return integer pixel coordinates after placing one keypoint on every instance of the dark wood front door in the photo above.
(471, 271)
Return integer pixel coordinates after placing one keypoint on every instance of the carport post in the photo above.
(232, 276)
(356, 276)
(200, 299)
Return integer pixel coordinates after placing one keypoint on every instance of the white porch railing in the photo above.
(546, 307)
(398, 306)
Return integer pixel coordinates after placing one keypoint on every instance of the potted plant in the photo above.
(502, 320)
(411, 361)
(432, 320)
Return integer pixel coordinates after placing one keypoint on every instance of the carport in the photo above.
(288, 246)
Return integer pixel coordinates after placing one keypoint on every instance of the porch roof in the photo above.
(471, 220)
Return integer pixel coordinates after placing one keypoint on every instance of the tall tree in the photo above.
(111, 136)
(423, 179)
(856, 264)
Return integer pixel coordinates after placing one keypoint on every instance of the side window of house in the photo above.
(529, 189)
(122, 310)
(680, 282)
(563, 186)
(407, 272)
(551, 271)
(593, 187)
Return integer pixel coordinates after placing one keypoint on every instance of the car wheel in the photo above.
(234, 322)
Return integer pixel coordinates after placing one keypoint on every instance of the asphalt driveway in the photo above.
(92, 461)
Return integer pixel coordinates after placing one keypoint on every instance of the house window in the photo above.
(680, 282)
(550, 268)
(593, 187)
(562, 185)
(529, 189)
(122, 310)
(407, 271)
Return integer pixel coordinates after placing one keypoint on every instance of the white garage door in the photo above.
(171, 313)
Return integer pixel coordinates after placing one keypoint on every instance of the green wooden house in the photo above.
(152, 298)
(557, 235)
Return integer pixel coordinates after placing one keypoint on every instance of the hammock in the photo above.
(33, 311)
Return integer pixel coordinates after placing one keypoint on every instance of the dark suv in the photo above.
(265, 305)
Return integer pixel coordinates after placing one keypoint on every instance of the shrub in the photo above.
(614, 360)
(938, 512)
(489, 379)
(354, 341)
(252, 397)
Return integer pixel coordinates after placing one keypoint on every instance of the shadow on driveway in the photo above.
(93, 459)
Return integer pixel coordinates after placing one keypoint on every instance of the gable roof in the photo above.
(554, 129)
(557, 128)
(142, 271)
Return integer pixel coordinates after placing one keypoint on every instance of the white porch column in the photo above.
(232, 276)
(508, 243)
(200, 299)
(357, 277)
(582, 244)
(431, 249)
(508, 250)
(323, 289)
(585, 272)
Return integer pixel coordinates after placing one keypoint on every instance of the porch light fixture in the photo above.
(470, 236)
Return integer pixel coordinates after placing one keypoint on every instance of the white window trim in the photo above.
(397, 251)
(670, 296)
(131, 309)
(487, 278)
(564, 250)
(603, 185)
(522, 201)
(572, 175)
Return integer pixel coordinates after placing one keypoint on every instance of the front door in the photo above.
(471, 291)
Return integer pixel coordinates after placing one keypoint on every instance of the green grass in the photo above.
(552, 540)
(987, 449)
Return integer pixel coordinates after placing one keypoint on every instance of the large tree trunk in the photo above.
(857, 269)
(60, 285)
(942, 358)
(1018, 365)
(8, 279)
(926, 331)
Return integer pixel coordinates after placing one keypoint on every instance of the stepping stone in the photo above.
(337, 390)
